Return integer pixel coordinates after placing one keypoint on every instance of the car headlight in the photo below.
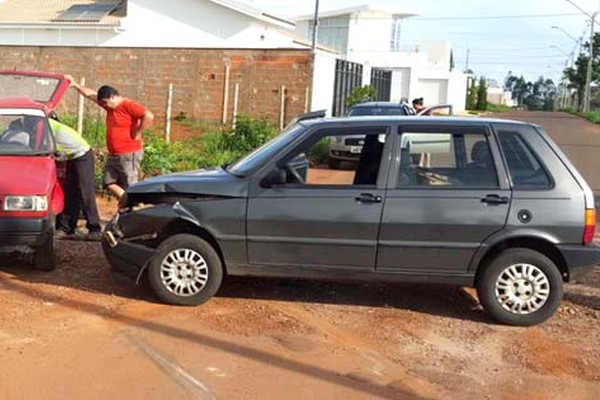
(26, 203)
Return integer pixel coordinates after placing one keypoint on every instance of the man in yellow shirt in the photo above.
(80, 187)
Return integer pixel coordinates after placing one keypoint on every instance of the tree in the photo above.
(472, 94)
(451, 60)
(542, 95)
(481, 95)
(577, 74)
(361, 95)
(519, 87)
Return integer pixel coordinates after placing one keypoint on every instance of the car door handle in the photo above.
(494, 199)
(368, 198)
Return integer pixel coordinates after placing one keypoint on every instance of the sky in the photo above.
(498, 36)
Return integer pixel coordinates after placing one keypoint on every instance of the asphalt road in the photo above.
(577, 137)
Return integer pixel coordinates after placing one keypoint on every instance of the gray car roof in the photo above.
(401, 118)
(385, 104)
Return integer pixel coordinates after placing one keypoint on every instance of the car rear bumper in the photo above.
(580, 259)
(344, 155)
(24, 231)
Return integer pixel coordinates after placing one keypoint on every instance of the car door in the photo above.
(319, 217)
(447, 192)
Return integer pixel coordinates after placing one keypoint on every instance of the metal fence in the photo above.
(348, 76)
(382, 81)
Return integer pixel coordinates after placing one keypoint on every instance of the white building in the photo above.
(371, 37)
(500, 97)
(142, 23)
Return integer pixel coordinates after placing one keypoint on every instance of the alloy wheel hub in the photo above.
(522, 289)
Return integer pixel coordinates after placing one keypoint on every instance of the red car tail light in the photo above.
(590, 225)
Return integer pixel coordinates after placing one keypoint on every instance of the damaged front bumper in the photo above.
(125, 256)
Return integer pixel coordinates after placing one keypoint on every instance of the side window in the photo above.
(338, 159)
(526, 171)
(446, 160)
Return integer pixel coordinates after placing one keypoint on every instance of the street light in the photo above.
(588, 78)
(566, 33)
(577, 42)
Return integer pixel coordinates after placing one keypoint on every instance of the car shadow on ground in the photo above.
(438, 300)
(82, 267)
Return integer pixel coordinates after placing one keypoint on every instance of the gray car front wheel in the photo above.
(520, 287)
(186, 270)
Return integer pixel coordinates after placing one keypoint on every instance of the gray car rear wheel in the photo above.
(520, 287)
(186, 270)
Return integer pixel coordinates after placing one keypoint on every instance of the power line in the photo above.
(482, 17)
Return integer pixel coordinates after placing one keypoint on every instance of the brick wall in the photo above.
(198, 77)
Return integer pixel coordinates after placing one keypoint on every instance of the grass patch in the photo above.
(593, 116)
(498, 108)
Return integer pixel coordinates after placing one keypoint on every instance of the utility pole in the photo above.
(587, 93)
(588, 77)
(315, 26)
(467, 63)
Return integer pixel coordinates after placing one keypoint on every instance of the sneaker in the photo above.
(60, 234)
(95, 236)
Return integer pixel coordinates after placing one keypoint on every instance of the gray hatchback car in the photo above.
(488, 203)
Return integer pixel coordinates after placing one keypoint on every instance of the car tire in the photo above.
(44, 256)
(520, 287)
(185, 270)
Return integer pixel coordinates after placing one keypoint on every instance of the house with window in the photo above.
(372, 38)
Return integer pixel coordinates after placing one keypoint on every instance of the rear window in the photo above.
(39, 89)
(524, 166)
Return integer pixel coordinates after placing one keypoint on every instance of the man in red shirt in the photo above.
(125, 122)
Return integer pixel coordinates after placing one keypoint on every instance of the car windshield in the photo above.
(376, 110)
(263, 154)
(24, 134)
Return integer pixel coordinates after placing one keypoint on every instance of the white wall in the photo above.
(149, 23)
(64, 36)
(323, 81)
(438, 53)
(369, 32)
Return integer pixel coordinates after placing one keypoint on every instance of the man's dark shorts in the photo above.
(122, 169)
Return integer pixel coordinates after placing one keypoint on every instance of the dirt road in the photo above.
(81, 332)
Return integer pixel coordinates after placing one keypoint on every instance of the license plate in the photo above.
(355, 149)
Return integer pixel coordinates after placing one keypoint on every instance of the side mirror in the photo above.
(273, 178)
(60, 156)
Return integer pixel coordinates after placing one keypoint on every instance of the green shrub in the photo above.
(94, 129)
(498, 108)
(319, 154)
(249, 134)
(361, 95)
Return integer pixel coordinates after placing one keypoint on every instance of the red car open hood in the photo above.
(41, 87)
(27, 175)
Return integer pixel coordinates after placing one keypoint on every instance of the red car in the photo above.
(30, 193)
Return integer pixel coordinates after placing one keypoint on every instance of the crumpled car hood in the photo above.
(211, 182)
